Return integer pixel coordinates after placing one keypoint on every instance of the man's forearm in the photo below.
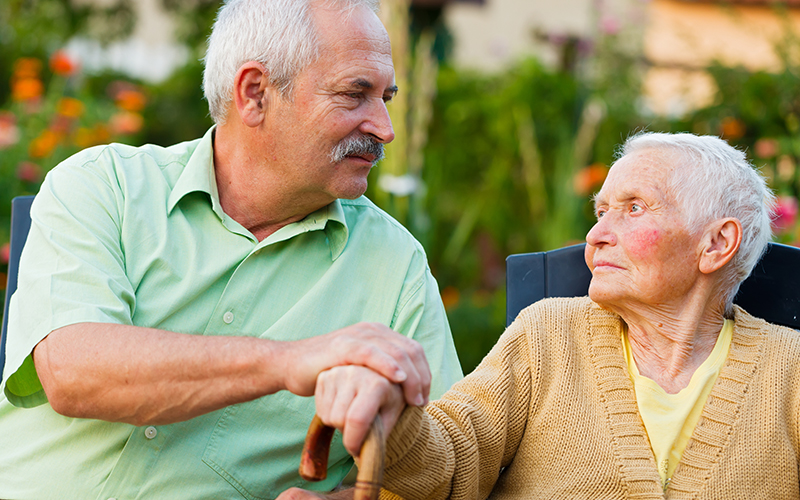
(144, 376)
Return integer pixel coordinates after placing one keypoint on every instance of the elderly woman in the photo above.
(654, 386)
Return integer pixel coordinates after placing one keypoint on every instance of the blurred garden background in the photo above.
(507, 120)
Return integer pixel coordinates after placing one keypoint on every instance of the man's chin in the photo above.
(352, 191)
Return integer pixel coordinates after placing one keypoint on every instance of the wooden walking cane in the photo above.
(314, 461)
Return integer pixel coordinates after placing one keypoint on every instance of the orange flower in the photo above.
(61, 125)
(26, 89)
(786, 168)
(732, 128)
(43, 145)
(126, 122)
(29, 171)
(62, 64)
(450, 297)
(86, 137)
(70, 107)
(130, 100)
(589, 178)
(27, 67)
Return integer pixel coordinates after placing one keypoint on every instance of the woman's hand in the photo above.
(349, 397)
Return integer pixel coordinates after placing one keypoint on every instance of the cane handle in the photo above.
(314, 461)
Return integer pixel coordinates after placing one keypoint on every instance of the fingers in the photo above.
(372, 345)
(396, 357)
(349, 398)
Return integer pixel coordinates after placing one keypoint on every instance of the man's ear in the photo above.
(719, 244)
(251, 93)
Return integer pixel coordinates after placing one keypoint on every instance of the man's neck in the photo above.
(252, 193)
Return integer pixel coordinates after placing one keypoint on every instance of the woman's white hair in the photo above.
(279, 34)
(711, 180)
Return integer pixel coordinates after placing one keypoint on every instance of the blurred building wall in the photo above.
(682, 38)
(492, 35)
(677, 38)
(150, 52)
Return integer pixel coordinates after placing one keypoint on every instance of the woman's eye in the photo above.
(635, 207)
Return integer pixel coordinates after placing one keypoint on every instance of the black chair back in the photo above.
(20, 225)
(772, 291)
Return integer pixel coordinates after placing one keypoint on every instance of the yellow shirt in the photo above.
(670, 419)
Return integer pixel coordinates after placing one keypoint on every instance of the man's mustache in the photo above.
(358, 145)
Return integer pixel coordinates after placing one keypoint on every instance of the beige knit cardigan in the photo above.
(551, 413)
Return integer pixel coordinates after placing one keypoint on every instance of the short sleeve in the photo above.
(72, 268)
(421, 316)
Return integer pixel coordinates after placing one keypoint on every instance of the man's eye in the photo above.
(600, 214)
(635, 207)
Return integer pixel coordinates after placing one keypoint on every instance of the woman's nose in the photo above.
(601, 233)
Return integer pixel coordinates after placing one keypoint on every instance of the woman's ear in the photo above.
(250, 93)
(720, 243)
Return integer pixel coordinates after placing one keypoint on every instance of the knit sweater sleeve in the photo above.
(456, 447)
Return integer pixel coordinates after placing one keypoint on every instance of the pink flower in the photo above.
(9, 132)
(5, 253)
(610, 25)
(785, 214)
(766, 148)
(29, 171)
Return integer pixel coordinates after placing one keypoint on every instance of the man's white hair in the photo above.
(279, 34)
(711, 180)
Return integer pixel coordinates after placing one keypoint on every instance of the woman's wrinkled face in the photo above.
(639, 251)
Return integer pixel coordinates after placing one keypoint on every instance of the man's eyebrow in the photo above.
(360, 83)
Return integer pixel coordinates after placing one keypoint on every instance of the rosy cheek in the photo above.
(588, 256)
(642, 242)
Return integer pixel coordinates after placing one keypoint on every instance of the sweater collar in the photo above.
(713, 430)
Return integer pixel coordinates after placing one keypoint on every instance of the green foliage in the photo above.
(194, 19)
(177, 110)
(500, 170)
(759, 112)
(509, 163)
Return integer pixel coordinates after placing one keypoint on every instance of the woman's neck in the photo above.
(669, 345)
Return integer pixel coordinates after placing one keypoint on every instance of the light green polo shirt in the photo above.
(137, 236)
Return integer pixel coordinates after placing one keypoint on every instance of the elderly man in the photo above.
(174, 303)
(655, 386)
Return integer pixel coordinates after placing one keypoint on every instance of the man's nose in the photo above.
(377, 123)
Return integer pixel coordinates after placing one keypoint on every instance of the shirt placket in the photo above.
(135, 463)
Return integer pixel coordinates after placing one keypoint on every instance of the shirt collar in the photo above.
(198, 176)
(336, 229)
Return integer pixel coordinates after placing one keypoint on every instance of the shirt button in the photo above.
(150, 432)
(227, 317)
